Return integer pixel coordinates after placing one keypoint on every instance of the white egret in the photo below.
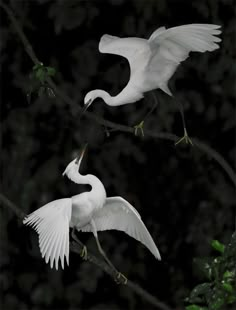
(153, 62)
(87, 212)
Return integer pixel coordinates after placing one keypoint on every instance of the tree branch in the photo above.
(78, 248)
(98, 119)
(6, 202)
(75, 247)
(27, 45)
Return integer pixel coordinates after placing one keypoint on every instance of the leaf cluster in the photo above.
(220, 271)
(38, 81)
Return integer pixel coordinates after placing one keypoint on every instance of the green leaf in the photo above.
(41, 72)
(221, 273)
(51, 71)
(218, 246)
(217, 304)
(204, 265)
(40, 75)
(228, 275)
(230, 251)
(199, 290)
(228, 287)
(231, 299)
(37, 66)
(195, 307)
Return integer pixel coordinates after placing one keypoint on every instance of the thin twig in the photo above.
(108, 124)
(78, 248)
(27, 45)
(217, 157)
(5, 201)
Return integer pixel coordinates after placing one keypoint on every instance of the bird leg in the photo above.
(185, 138)
(84, 252)
(104, 254)
(119, 275)
(139, 127)
(141, 124)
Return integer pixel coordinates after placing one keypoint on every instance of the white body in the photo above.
(154, 61)
(89, 211)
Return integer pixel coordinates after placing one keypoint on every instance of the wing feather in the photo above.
(119, 214)
(63, 247)
(51, 222)
(180, 41)
(136, 50)
(51, 243)
(172, 46)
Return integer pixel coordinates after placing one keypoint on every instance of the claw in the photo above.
(185, 138)
(139, 127)
(120, 276)
(84, 253)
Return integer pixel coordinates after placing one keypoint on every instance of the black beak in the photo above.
(80, 157)
(85, 107)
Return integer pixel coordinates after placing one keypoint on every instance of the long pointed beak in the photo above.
(85, 107)
(80, 157)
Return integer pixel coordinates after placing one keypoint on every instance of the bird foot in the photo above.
(185, 138)
(120, 278)
(84, 253)
(138, 128)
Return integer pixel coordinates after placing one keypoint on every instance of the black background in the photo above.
(184, 197)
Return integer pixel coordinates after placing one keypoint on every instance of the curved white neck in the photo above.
(128, 95)
(97, 188)
(99, 93)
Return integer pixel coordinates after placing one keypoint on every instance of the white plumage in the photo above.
(89, 212)
(154, 61)
(119, 214)
(52, 224)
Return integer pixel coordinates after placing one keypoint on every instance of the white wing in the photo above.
(136, 50)
(52, 224)
(118, 214)
(172, 46)
(176, 43)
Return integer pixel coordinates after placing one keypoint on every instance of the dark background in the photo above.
(184, 197)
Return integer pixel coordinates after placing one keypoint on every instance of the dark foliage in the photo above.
(184, 197)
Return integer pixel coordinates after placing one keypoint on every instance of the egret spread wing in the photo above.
(176, 43)
(136, 50)
(172, 46)
(118, 214)
(52, 224)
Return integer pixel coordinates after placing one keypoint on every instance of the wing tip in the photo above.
(105, 40)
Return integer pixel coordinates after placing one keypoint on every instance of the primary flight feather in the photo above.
(89, 211)
(153, 62)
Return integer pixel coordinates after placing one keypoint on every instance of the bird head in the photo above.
(74, 165)
(88, 99)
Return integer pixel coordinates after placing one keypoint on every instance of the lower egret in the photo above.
(153, 62)
(90, 211)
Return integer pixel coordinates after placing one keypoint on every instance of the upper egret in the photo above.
(88, 211)
(154, 61)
